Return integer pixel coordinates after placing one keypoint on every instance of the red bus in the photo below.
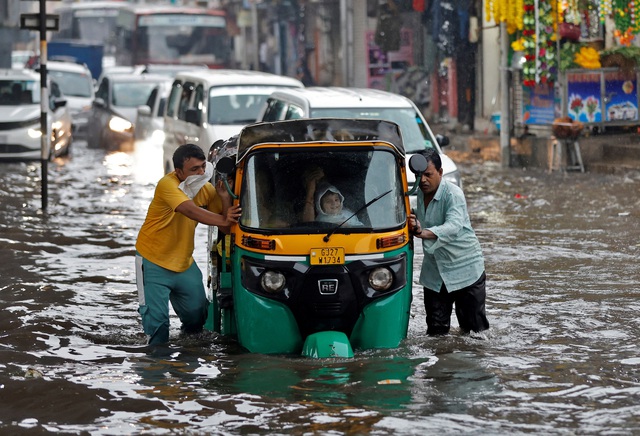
(173, 35)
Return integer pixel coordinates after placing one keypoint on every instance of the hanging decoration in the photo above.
(625, 18)
(507, 11)
(539, 36)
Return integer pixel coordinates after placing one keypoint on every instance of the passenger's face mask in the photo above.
(192, 184)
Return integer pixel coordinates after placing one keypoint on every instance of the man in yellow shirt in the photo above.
(165, 268)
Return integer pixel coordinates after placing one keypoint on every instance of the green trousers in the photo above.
(157, 287)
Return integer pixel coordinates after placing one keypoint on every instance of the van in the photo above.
(207, 105)
(362, 103)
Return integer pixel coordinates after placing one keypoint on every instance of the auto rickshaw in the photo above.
(283, 283)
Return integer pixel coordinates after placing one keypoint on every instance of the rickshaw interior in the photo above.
(274, 194)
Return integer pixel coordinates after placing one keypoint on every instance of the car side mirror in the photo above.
(192, 116)
(443, 140)
(99, 102)
(59, 102)
(144, 110)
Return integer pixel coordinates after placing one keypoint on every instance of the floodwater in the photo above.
(561, 357)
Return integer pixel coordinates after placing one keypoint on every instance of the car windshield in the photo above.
(274, 196)
(131, 94)
(19, 92)
(235, 108)
(73, 84)
(415, 135)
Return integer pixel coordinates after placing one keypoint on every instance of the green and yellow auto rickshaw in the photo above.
(289, 280)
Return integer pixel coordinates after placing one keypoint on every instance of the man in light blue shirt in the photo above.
(453, 265)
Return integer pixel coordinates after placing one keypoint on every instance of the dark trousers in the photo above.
(470, 310)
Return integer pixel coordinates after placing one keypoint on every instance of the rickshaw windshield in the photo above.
(274, 193)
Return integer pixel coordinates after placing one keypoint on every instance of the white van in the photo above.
(207, 105)
(336, 102)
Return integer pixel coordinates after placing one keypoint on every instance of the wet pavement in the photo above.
(561, 356)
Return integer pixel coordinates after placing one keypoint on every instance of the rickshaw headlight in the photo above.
(380, 279)
(272, 281)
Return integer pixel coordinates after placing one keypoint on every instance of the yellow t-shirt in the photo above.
(167, 237)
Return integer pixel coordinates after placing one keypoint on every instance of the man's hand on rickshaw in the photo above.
(233, 213)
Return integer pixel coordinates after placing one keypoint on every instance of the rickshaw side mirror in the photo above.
(418, 165)
(225, 166)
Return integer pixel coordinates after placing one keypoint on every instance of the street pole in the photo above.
(44, 101)
(505, 124)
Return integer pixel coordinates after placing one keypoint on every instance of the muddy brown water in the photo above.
(561, 356)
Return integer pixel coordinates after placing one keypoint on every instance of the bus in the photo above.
(173, 35)
(91, 22)
(143, 34)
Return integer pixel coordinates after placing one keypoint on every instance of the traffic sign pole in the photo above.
(44, 101)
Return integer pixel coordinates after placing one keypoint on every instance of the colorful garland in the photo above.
(539, 38)
(625, 18)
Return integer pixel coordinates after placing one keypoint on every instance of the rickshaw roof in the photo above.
(323, 130)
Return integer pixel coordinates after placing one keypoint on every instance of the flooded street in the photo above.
(561, 357)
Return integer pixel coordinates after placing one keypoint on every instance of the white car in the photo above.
(78, 87)
(336, 102)
(207, 105)
(20, 133)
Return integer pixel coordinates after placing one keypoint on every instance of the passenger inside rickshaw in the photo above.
(274, 193)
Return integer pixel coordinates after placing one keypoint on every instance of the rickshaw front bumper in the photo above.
(327, 344)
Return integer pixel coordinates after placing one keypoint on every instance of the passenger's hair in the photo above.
(432, 155)
(186, 152)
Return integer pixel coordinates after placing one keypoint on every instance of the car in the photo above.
(77, 84)
(20, 110)
(339, 102)
(208, 105)
(113, 111)
(149, 125)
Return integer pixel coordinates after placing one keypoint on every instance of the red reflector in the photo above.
(261, 244)
(390, 241)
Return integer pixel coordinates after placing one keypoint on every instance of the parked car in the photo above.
(20, 132)
(149, 124)
(207, 105)
(114, 109)
(77, 85)
(336, 102)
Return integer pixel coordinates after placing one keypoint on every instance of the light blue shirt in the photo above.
(455, 257)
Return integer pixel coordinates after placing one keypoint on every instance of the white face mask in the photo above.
(192, 184)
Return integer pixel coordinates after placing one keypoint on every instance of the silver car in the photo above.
(114, 110)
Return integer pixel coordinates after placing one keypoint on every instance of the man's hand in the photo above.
(233, 213)
(414, 224)
(221, 189)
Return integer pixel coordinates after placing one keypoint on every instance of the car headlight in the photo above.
(380, 279)
(34, 133)
(157, 137)
(272, 281)
(120, 125)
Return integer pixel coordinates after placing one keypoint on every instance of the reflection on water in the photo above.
(560, 357)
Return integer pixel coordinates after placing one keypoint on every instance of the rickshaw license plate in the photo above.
(327, 256)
